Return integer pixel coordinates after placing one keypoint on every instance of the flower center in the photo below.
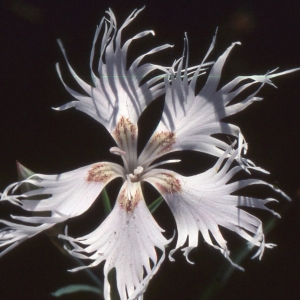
(135, 177)
(131, 176)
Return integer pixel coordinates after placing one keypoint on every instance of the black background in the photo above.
(51, 142)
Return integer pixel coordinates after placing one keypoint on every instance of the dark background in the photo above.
(51, 142)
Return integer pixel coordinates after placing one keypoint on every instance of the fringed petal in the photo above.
(65, 195)
(205, 202)
(192, 119)
(127, 241)
(117, 93)
(14, 234)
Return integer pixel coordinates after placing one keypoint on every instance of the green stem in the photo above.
(106, 202)
(155, 204)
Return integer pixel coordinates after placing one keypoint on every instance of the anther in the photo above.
(138, 170)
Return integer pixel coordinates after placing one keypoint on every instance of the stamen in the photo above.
(133, 177)
(136, 174)
(138, 170)
(162, 163)
(117, 151)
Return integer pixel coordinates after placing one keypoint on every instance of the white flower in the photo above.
(129, 239)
